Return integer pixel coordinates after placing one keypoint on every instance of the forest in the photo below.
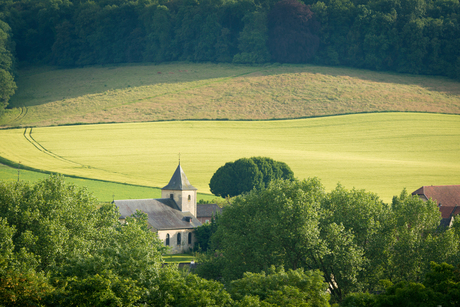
(406, 36)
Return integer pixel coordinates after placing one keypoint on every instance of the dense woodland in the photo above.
(409, 36)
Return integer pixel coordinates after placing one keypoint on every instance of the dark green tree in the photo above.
(292, 32)
(7, 84)
(252, 40)
(244, 174)
(235, 178)
(204, 233)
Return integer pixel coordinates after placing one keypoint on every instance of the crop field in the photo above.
(182, 91)
(381, 152)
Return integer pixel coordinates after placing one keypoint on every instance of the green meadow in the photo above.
(379, 152)
(104, 191)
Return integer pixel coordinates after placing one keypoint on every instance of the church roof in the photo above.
(163, 213)
(179, 181)
(207, 210)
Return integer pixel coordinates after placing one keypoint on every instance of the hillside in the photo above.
(137, 93)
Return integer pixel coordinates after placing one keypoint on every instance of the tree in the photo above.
(278, 287)
(292, 32)
(53, 220)
(252, 41)
(356, 223)
(7, 84)
(243, 175)
(414, 223)
(204, 232)
(273, 226)
(272, 169)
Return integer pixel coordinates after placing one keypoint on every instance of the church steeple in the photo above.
(180, 189)
(179, 181)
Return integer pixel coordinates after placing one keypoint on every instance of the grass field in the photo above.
(137, 93)
(104, 191)
(382, 153)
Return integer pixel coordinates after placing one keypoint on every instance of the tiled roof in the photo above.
(179, 181)
(162, 213)
(205, 210)
(447, 196)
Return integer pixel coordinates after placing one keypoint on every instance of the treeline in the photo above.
(409, 36)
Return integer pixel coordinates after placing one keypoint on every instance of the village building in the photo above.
(205, 212)
(173, 216)
(446, 196)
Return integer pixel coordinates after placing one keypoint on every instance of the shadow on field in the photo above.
(43, 84)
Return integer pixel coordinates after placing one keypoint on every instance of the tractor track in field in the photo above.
(28, 136)
(22, 114)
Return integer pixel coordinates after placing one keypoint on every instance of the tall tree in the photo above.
(293, 32)
(7, 84)
(273, 226)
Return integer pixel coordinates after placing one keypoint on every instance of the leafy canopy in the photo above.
(243, 175)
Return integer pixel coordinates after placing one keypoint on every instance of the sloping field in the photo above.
(181, 91)
(382, 153)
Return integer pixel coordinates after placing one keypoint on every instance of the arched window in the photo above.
(190, 197)
(167, 239)
(189, 238)
(178, 239)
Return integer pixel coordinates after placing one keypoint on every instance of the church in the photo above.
(173, 216)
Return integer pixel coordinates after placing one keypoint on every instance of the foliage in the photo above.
(53, 221)
(418, 37)
(204, 232)
(280, 288)
(106, 289)
(7, 84)
(173, 288)
(440, 287)
(273, 226)
(23, 288)
(293, 32)
(106, 263)
(351, 236)
(243, 175)
(252, 41)
(235, 178)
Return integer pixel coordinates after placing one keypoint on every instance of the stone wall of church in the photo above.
(186, 200)
(178, 246)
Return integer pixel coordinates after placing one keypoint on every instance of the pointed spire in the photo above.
(179, 181)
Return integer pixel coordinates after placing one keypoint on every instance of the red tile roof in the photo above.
(448, 196)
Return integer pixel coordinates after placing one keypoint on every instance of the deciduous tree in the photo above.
(293, 32)
(244, 174)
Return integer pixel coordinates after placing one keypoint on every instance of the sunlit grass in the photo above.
(178, 258)
(137, 93)
(382, 153)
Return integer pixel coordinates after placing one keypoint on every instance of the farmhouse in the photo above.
(446, 196)
(173, 216)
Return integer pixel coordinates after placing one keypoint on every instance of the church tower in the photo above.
(180, 189)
